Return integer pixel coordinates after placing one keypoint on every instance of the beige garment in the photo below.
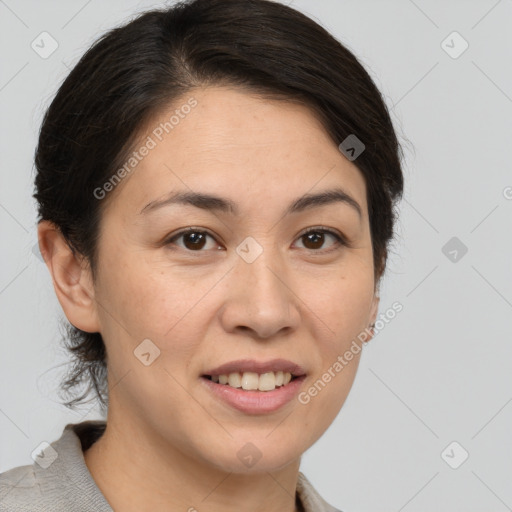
(66, 485)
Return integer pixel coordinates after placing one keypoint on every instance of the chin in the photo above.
(260, 455)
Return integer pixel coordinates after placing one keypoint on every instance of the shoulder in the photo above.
(310, 498)
(20, 491)
(58, 480)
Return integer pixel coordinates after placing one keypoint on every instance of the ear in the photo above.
(374, 309)
(71, 277)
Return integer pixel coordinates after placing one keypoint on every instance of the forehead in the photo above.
(234, 143)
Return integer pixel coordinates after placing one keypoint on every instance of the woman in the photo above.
(216, 185)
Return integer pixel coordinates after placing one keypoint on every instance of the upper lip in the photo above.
(251, 365)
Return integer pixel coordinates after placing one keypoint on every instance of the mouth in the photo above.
(252, 381)
(255, 386)
(254, 394)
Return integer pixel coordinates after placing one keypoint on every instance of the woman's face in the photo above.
(245, 284)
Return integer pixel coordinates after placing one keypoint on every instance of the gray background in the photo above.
(440, 371)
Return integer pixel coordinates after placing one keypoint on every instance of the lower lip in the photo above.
(255, 402)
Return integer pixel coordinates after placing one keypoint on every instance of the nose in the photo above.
(260, 298)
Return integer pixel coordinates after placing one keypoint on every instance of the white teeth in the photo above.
(267, 381)
(234, 380)
(251, 381)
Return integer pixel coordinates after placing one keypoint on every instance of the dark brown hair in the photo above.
(135, 71)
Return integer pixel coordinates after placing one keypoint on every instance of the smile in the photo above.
(254, 401)
(252, 381)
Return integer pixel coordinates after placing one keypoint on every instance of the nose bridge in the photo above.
(259, 295)
(260, 268)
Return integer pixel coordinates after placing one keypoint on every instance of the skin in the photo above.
(170, 444)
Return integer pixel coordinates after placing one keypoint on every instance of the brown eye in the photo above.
(315, 238)
(193, 240)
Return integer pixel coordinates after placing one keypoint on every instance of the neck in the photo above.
(136, 470)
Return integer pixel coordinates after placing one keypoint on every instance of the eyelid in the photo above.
(340, 237)
(190, 229)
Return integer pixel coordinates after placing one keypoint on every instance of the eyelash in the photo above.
(341, 241)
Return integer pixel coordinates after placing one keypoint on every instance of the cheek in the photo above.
(145, 297)
(342, 304)
(342, 309)
(324, 395)
(145, 302)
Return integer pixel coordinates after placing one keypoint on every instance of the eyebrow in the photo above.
(221, 204)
